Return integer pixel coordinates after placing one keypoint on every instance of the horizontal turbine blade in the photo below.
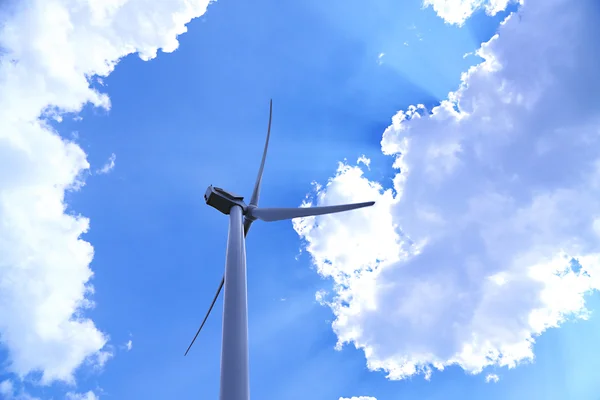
(279, 214)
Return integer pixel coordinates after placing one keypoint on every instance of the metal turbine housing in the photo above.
(223, 200)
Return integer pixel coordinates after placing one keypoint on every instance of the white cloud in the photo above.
(98, 360)
(492, 378)
(8, 392)
(458, 11)
(110, 164)
(358, 398)
(129, 345)
(364, 160)
(50, 49)
(6, 388)
(472, 257)
(82, 396)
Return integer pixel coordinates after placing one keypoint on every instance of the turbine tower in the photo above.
(234, 346)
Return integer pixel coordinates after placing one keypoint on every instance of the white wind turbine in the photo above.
(234, 345)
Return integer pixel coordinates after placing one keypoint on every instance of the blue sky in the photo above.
(337, 72)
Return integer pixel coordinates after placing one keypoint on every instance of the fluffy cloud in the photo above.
(358, 398)
(492, 378)
(490, 235)
(109, 166)
(458, 11)
(8, 392)
(50, 51)
(82, 396)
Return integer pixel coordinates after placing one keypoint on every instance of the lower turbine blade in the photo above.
(207, 314)
(247, 224)
(279, 214)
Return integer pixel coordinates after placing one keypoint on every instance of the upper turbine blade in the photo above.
(256, 192)
(279, 214)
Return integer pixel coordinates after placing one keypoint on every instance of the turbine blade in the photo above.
(246, 229)
(256, 192)
(247, 223)
(278, 214)
(207, 314)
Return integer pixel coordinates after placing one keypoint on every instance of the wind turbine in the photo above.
(234, 345)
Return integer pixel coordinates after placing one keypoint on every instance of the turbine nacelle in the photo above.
(223, 200)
